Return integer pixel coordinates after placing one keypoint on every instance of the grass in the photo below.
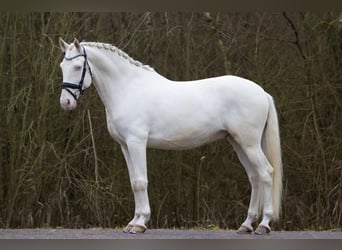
(61, 169)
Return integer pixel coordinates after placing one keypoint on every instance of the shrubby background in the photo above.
(62, 169)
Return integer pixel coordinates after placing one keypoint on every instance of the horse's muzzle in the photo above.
(67, 101)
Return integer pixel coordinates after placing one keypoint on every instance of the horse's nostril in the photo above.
(68, 102)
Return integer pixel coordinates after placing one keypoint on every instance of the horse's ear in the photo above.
(63, 45)
(77, 44)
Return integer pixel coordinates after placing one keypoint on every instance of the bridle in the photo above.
(67, 85)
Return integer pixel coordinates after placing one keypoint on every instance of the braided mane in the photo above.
(119, 52)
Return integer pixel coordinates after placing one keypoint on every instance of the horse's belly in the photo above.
(184, 140)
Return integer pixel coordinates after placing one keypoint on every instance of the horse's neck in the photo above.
(112, 75)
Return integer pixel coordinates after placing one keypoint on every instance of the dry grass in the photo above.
(61, 169)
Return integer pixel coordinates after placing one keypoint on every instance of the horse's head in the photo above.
(76, 73)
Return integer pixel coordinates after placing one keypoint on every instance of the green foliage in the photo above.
(61, 169)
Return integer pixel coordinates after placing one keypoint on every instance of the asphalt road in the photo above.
(158, 234)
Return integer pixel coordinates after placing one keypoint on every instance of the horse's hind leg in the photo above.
(264, 172)
(253, 209)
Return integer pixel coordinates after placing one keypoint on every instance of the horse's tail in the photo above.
(272, 150)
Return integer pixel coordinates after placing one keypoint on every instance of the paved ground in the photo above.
(157, 234)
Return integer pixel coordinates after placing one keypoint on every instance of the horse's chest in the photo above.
(114, 129)
(121, 126)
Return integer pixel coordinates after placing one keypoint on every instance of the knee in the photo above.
(139, 184)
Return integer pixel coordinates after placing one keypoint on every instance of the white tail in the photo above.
(272, 150)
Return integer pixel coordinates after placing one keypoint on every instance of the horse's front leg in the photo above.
(135, 155)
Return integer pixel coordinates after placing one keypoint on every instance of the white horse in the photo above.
(144, 109)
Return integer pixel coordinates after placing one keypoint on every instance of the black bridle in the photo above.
(68, 85)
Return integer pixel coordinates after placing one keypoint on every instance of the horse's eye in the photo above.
(77, 67)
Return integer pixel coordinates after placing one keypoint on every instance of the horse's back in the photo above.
(212, 97)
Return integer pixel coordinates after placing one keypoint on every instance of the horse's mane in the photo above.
(119, 52)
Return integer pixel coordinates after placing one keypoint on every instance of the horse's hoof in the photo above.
(244, 230)
(262, 230)
(128, 228)
(137, 229)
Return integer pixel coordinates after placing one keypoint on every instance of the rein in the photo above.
(68, 85)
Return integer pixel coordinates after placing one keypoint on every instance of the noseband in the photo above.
(67, 85)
